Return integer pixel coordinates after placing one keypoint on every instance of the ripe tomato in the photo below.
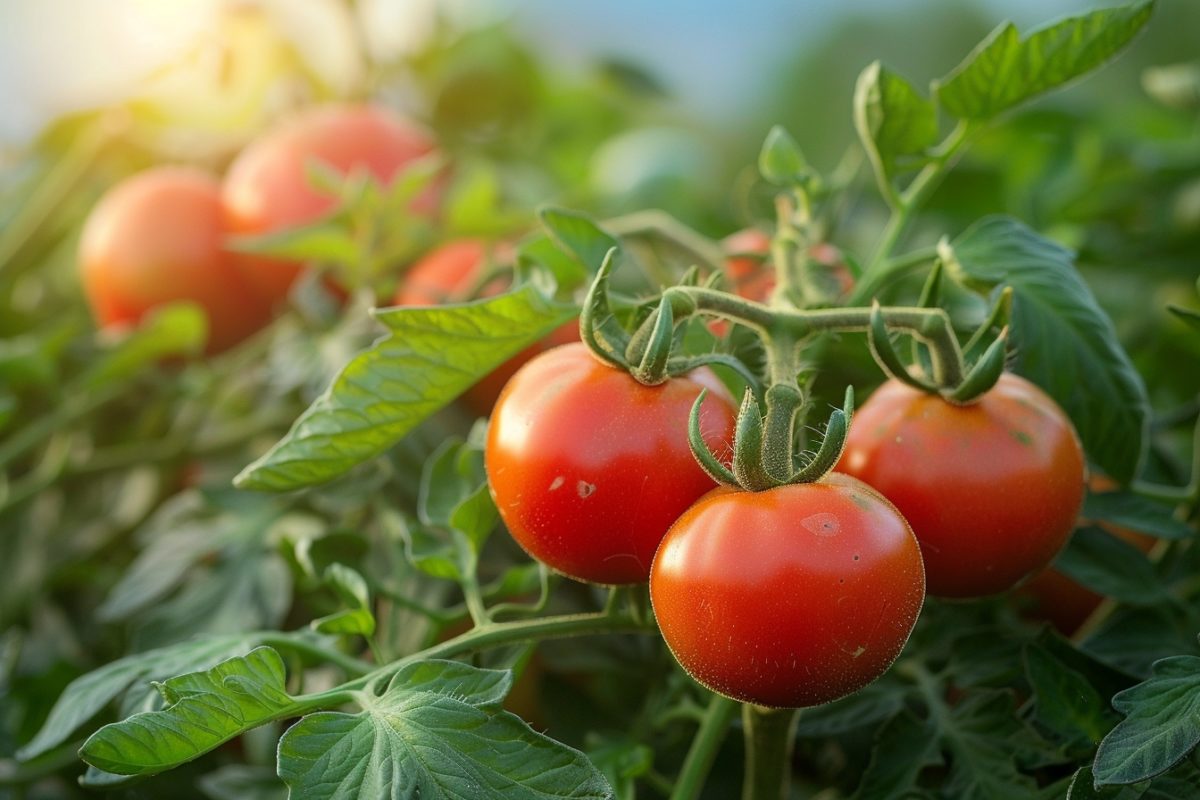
(266, 189)
(589, 468)
(991, 489)
(156, 238)
(447, 274)
(1060, 600)
(790, 597)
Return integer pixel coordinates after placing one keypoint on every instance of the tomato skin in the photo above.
(589, 468)
(156, 238)
(790, 597)
(447, 274)
(266, 189)
(991, 489)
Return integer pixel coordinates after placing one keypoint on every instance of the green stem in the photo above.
(659, 223)
(704, 748)
(349, 664)
(874, 282)
(770, 734)
(498, 634)
(916, 193)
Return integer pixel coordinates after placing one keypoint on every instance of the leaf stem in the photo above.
(770, 734)
(703, 751)
(352, 666)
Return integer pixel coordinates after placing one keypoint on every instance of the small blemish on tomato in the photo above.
(557, 483)
(822, 524)
(1022, 437)
(856, 556)
(585, 489)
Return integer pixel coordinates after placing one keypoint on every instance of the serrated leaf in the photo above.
(171, 330)
(1066, 703)
(870, 705)
(1062, 340)
(205, 709)
(903, 747)
(781, 161)
(893, 120)
(980, 733)
(1005, 70)
(1131, 639)
(89, 693)
(1129, 510)
(1161, 725)
(579, 235)
(1110, 566)
(432, 355)
(435, 734)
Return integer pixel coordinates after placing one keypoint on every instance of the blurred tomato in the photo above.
(1061, 600)
(267, 190)
(156, 238)
(448, 274)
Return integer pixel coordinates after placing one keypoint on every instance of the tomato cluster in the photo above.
(160, 235)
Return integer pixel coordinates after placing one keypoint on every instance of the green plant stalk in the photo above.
(663, 225)
(703, 751)
(917, 192)
(1189, 494)
(890, 270)
(770, 735)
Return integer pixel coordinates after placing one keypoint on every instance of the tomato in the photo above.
(447, 274)
(991, 489)
(589, 468)
(790, 597)
(1062, 601)
(267, 190)
(156, 238)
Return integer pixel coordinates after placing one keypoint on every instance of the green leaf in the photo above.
(541, 252)
(621, 759)
(432, 356)
(903, 747)
(450, 476)
(1131, 639)
(781, 161)
(895, 123)
(1083, 788)
(204, 709)
(89, 693)
(172, 330)
(1161, 725)
(1065, 702)
(579, 235)
(242, 782)
(436, 734)
(981, 734)
(1111, 566)
(1062, 340)
(1005, 71)
(869, 706)
(328, 241)
(351, 588)
(1129, 510)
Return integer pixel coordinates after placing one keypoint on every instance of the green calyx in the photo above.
(764, 454)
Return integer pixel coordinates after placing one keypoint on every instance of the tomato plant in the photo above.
(589, 468)
(836, 565)
(955, 472)
(157, 238)
(267, 188)
(300, 569)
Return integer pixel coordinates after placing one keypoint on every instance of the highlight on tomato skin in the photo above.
(157, 238)
(991, 489)
(589, 468)
(790, 597)
(267, 189)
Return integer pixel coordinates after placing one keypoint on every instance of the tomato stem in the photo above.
(770, 734)
(705, 745)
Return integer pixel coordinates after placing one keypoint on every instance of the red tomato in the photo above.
(991, 489)
(589, 468)
(790, 597)
(156, 238)
(447, 274)
(266, 189)
(1061, 600)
